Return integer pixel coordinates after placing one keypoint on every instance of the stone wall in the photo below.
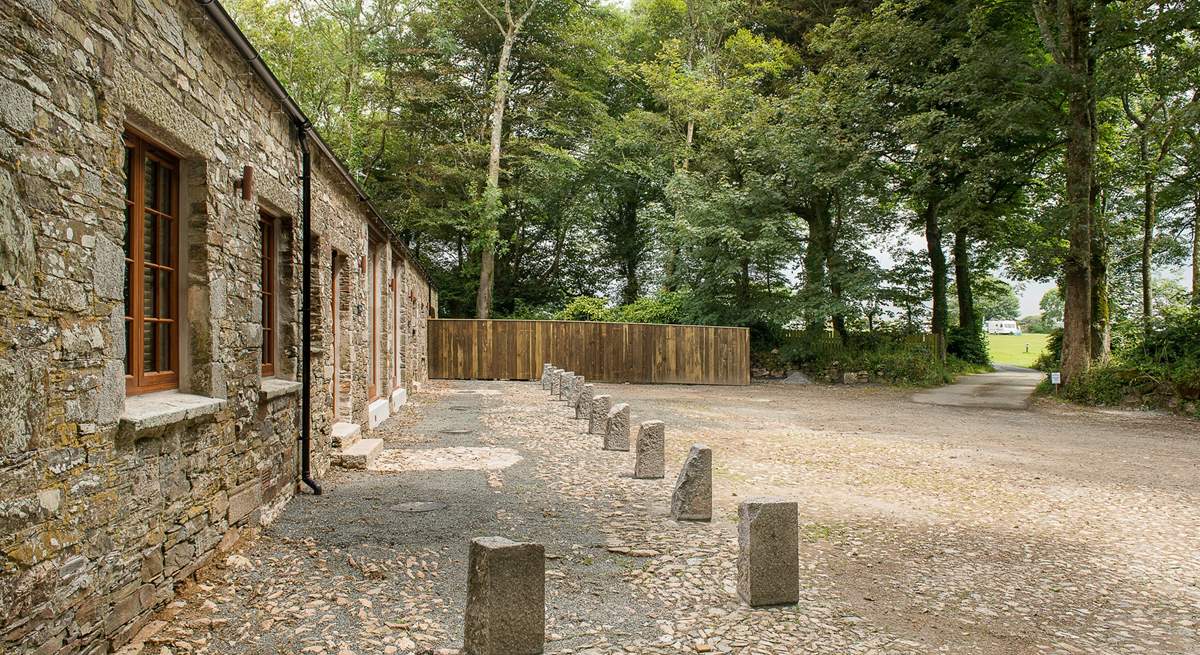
(107, 501)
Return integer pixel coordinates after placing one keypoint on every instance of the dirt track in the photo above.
(924, 529)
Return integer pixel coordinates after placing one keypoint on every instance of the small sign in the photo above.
(1056, 378)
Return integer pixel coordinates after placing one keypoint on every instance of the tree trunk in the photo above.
(1149, 215)
(630, 250)
(816, 216)
(1066, 30)
(1196, 249)
(1077, 341)
(492, 201)
(834, 269)
(1101, 324)
(743, 285)
(937, 267)
(962, 281)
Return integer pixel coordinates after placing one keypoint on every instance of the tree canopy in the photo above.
(768, 165)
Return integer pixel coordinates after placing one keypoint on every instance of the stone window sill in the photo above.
(156, 410)
(273, 388)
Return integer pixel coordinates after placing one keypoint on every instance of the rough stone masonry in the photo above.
(108, 500)
(692, 500)
(598, 419)
(651, 441)
(564, 384)
(768, 543)
(583, 404)
(506, 598)
(616, 431)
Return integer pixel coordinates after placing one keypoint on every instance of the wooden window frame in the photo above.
(397, 333)
(138, 150)
(335, 277)
(268, 279)
(373, 320)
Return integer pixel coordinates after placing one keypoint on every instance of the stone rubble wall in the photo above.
(98, 522)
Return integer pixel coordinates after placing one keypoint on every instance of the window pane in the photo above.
(162, 340)
(148, 347)
(128, 297)
(151, 178)
(163, 252)
(148, 295)
(162, 301)
(166, 177)
(128, 349)
(149, 237)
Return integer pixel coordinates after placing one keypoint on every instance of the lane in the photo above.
(1010, 387)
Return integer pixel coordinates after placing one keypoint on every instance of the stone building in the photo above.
(155, 182)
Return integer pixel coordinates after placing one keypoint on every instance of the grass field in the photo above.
(1009, 349)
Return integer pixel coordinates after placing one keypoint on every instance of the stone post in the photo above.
(692, 500)
(768, 540)
(616, 431)
(599, 415)
(576, 387)
(546, 368)
(651, 440)
(583, 404)
(564, 384)
(506, 598)
(555, 379)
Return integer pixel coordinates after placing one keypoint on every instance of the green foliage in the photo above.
(968, 344)
(667, 307)
(889, 357)
(767, 165)
(585, 308)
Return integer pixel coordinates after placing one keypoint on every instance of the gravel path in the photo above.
(924, 529)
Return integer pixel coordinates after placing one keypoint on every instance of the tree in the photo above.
(493, 203)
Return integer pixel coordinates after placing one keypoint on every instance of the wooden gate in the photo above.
(471, 349)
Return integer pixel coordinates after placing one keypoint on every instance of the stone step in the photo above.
(360, 455)
(346, 434)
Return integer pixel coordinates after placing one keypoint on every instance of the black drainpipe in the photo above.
(306, 312)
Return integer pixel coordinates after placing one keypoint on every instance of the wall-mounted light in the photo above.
(246, 184)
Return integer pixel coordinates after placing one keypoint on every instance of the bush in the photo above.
(1152, 365)
(585, 308)
(1051, 357)
(667, 307)
(886, 357)
(968, 344)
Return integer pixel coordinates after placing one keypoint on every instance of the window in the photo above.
(267, 279)
(373, 301)
(151, 267)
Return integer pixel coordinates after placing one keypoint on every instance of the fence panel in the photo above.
(470, 349)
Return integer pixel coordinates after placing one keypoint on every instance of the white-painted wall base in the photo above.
(399, 397)
(377, 412)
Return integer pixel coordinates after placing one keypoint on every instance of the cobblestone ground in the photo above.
(923, 529)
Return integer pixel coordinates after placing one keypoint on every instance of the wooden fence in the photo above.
(469, 349)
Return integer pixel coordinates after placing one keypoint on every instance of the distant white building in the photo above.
(1001, 327)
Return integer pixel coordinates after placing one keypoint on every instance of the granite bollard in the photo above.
(576, 388)
(555, 380)
(565, 380)
(651, 438)
(599, 415)
(583, 404)
(616, 430)
(692, 500)
(546, 368)
(768, 539)
(506, 598)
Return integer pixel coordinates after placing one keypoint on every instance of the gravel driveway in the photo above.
(923, 529)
